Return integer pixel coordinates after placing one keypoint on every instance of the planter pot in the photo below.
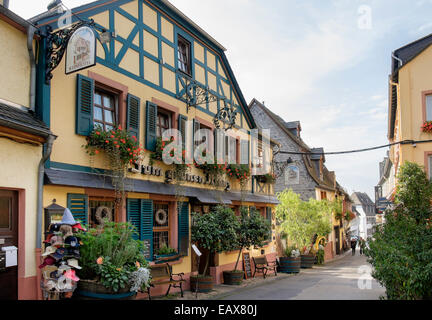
(93, 290)
(307, 261)
(233, 277)
(289, 264)
(205, 283)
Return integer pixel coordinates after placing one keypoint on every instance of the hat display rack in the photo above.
(61, 258)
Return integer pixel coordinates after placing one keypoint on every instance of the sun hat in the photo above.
(60, 252)
(63, 266)
(57, 241)
(49, 250)
(72, 241)
(47, 271)
(78, 226)
(48, 238)
(49, 261)
(72, 252)
(73, 263)
(50, 284)
(70, 274)
(66, 230)
(68, 218)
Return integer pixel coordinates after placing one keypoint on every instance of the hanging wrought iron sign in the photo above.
(227, 116)
(58, 42)
(81, 50)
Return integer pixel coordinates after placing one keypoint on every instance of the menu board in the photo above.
(247, 265)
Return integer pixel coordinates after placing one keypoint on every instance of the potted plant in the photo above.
(214, 231)
(290, 263)
(251, 230)
(266, 178)
(301, 221)
(113, 266)
(165, 252)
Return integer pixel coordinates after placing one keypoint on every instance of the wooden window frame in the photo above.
(162, 229)
(168, 114)
(114, 109)
(427, 155)
(424, 94)
(188, 63)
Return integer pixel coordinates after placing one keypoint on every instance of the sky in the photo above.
(323, 63)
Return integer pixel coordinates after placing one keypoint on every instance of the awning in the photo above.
(100, 181)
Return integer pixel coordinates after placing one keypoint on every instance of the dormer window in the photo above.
(184, 56)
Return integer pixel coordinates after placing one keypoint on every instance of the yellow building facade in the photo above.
(22, 137)
(144, 80)
(410, 97)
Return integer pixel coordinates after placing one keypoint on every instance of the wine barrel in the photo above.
(205, 283)
(307, 261)
(92, 290)
(233, 277)
(289, 264)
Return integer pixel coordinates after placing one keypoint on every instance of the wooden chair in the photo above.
(162, 274)
(263, 266)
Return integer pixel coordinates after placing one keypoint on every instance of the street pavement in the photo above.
(345, 279)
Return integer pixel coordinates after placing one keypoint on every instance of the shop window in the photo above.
(184, 59)
(100, 210)
(160, 226)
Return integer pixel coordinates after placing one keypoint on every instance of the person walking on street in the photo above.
(353, 245)
(362, 245)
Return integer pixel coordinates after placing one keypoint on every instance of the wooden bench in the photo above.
(263, 266)
(162, 274)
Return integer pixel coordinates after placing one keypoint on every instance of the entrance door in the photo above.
(8, 237)
(337, 239)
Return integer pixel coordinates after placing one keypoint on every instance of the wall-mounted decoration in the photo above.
(81, 50)
(292, 175)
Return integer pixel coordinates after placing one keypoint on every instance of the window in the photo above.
(323, 195)
(430, 167)
(101, 209)
(104, 110)
(160, 226)
(206, 136)
(184, 62)
(163, 122)
(429, 107)
(231, 149)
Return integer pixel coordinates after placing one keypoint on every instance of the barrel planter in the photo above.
(233, 277)
(93, 290)
(289, 264)
(205, 283)
(307, 261)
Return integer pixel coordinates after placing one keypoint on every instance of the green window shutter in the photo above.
(147, 226)
(133, 115)
(84, 105)
(244, 151)
(78, 205)
(182, 128)
(269, 219)
(151, 118)
(133, 209)
(183, 228)
(196, 127)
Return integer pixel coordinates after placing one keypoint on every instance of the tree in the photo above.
(301, 220)
(401, 249)
(214, 231)
(251, 230)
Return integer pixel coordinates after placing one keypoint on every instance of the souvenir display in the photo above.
(61, 258)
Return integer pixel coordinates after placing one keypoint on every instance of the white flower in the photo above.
(139, 278)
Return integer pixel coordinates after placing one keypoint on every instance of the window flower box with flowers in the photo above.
(122, 150)
(267, 178)
(240, 172)
(427, 127)
(180, 167)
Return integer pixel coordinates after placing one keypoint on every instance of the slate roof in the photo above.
(362, 199)
(22, 119)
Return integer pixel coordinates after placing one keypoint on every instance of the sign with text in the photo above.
(247, 265)
(81, 50)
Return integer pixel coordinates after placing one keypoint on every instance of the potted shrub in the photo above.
(165, 252)
(290, 263)
(301, 221)
(113, 266)
(251, 230)
(214, 231)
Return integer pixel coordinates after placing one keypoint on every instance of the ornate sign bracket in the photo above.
(194, 94)
(56, 45)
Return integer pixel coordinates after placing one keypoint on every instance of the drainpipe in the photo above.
(41, 171)
(30, 35)
(6, 4)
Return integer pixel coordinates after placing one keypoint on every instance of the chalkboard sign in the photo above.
(247, 265)
(146, 252)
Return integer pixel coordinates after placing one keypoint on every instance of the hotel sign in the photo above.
(81, 50)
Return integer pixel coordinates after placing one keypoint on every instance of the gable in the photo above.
(145, 49)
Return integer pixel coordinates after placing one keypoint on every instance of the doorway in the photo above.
(8, 237)
(337, 239)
